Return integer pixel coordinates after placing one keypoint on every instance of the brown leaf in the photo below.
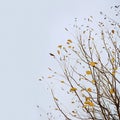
(113, 31)
(73, 89)
(60, 46)
(51, 54)
(58, 52)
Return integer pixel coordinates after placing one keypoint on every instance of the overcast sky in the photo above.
(29, 30)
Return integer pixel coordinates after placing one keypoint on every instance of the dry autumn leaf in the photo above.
(92, 64)
(93, 81)
(113, 31)
(60, 46)
(112, 60)
(112, 90)
(69, 41)
(89, 89)
(55, 99)
(91, 104)
(87, 98)
(58, 52)
(73, 89)
(62, 81)
(113, 73)
(88, 72)
(115, 68)
(51, 54)
(69, 46)
(86, 102)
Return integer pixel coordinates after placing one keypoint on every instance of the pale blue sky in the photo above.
(29, 30)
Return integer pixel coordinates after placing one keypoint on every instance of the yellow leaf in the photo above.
(87, 102)
(89, 90)
(113, 73)
(88, 72)
(87, 98)
(91, 104)
(113, 60)
(112, 90)
(73, 89)
(93, 81)
(92, 64)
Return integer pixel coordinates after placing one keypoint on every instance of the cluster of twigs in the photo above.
(91, 69)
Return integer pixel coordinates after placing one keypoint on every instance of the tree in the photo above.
(90, 63)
